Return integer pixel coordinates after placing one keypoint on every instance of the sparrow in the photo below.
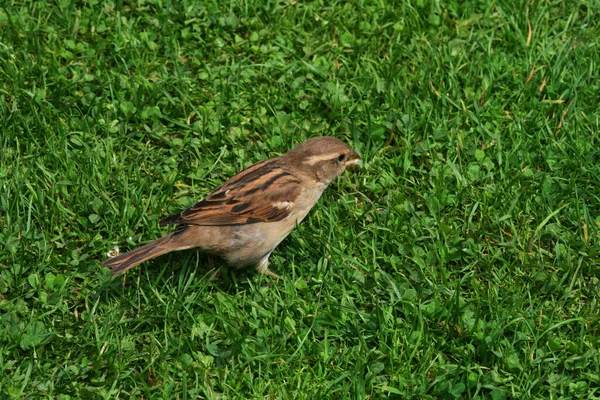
(244, 219)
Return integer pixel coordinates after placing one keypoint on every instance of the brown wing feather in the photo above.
(246, 198)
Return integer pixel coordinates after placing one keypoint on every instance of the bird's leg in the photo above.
(263, 268)
(215, 274)
(271, 274)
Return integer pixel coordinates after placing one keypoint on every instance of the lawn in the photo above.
(461, 261)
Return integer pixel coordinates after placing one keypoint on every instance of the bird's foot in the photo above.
(263, 268)
(271, 274)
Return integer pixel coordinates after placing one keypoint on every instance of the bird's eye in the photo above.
(342, 158)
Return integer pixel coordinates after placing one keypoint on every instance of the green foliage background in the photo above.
(460, 262)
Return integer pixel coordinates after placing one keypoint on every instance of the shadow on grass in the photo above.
(190, 270)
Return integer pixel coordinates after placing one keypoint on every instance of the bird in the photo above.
(244, 220)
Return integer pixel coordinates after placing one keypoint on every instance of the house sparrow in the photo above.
(244, 219)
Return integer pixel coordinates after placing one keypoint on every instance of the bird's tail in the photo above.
(134, 257)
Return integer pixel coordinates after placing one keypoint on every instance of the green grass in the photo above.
(461, 262)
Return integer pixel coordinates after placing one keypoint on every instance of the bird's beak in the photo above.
(353, 160)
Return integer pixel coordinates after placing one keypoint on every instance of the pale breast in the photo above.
(249, 243)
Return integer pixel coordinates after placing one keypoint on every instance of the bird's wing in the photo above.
(264, 192)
